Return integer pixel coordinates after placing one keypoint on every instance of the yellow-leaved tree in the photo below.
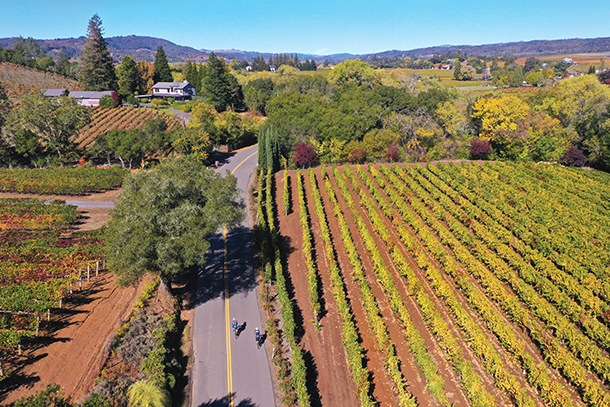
(499, 117)
(518, 133)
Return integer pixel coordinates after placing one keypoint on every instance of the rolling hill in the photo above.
(144, 48)
(20, 80)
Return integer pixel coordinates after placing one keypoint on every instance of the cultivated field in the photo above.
(483, 285)
(105, 119)
(56, 313)
(39, 262)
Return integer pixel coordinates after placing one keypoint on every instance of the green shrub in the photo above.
(108, 101)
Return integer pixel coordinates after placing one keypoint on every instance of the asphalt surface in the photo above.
(92, 204)
(222, 361)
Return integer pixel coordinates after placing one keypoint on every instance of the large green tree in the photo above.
(6, 149)
(164, 217)
(128, 76)
(63, 66)
(219, 87)
(163, 73)
(97, 71)
(42, 125)
(355, 72)
(258, 92)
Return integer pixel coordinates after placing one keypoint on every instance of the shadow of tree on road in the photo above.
(224, 402)
(240, 261)
(222, 158)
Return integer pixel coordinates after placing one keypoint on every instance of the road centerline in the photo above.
(227, 309)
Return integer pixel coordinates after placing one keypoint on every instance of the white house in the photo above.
(177, 90)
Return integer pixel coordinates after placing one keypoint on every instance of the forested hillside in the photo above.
(143, 48)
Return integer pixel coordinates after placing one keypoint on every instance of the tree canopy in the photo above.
(127, 72)
(97, 71)
(165, 215)
(42, 127)
(220, 88)
(163, 73)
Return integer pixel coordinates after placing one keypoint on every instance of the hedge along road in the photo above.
(230, 371)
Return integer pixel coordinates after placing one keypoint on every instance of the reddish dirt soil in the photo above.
(333, 379)
(325, 345)
(80, 333)
(75, 350)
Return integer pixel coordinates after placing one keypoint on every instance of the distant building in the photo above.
(272, 68)
(84, 98)
(177, 90)
(90, 98)
(571, 74)
(54, 93)
(486, 73)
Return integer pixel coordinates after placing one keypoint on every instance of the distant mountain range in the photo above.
(144, 48)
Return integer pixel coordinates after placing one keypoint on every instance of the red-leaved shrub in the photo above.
(304, 155)
(479, 149)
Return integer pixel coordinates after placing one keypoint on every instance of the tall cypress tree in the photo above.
(162, 71)
(262, 150)
(97, 71)
(268, 150)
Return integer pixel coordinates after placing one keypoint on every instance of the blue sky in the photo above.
(312, 26)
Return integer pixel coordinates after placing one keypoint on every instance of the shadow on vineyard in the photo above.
(286, 248)
(312, 379)
(18, 379)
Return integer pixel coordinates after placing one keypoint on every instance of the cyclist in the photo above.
(257, 336)
(234, 325)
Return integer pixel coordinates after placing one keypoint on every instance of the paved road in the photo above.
(92, 204)
(222, 361)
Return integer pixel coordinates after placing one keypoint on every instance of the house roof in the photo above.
(55, 92)
(176, 85)
(89, 94)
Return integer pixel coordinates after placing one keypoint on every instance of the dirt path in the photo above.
(75, 350)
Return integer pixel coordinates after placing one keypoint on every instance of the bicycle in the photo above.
(257, 337)
(235, 328)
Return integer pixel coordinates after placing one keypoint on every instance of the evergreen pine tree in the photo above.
(191, 74)
(268, 150)
(162, 71)
(62, 66)
(128, 76)
(97, 71)
(216, 85)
